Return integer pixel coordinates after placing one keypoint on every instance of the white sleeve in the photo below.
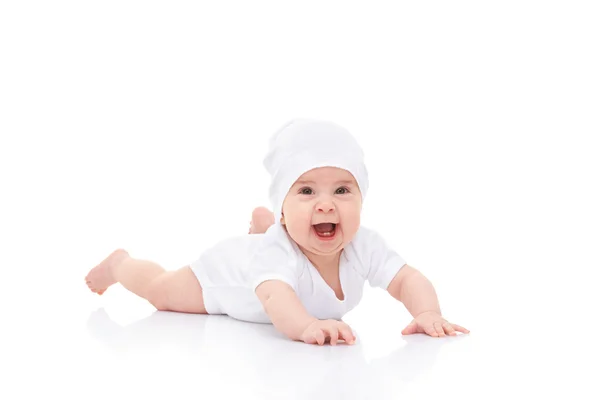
(274, 259)
(381, 263)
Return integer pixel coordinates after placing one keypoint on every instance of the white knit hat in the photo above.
(304, 144)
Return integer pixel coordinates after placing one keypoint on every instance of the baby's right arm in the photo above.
(289, 316)
(284, 308)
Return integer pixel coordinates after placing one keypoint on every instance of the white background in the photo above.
(143, 125)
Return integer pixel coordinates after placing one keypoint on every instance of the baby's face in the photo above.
(319, 198)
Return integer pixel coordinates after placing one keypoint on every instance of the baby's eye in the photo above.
(343, 190)
(306, 190)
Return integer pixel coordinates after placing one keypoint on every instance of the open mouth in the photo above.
(325, 230)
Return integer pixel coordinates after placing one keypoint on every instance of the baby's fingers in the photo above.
(320, 337)
(314, 337)
(348, 335)
(460, 328)
(430, 330)
(333, 336)
(449, 329)
(438, 328)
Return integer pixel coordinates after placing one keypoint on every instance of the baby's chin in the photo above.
(315, 246)
(320, 252)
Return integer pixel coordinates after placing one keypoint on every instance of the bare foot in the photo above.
(101, 277)
(262, 219)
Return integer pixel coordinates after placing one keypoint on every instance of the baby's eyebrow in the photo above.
(345, 182)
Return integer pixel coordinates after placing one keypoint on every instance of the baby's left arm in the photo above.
(418, 295)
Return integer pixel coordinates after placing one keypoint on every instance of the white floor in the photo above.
(116, 346)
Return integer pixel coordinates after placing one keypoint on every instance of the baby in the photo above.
(302, 267)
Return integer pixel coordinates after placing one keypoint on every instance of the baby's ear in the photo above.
(282, 220)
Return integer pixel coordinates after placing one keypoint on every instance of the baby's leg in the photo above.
(166, 290)
(262, 219)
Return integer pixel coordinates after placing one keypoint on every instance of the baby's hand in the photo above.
(331, 329)
(432, 324)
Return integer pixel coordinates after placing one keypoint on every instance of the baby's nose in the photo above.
(325, 207)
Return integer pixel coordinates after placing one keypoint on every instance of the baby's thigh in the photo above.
(177, 291)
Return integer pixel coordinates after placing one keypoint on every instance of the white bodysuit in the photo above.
(230, 271)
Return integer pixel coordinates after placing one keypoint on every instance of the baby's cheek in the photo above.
(351, 226)
(301, 229)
